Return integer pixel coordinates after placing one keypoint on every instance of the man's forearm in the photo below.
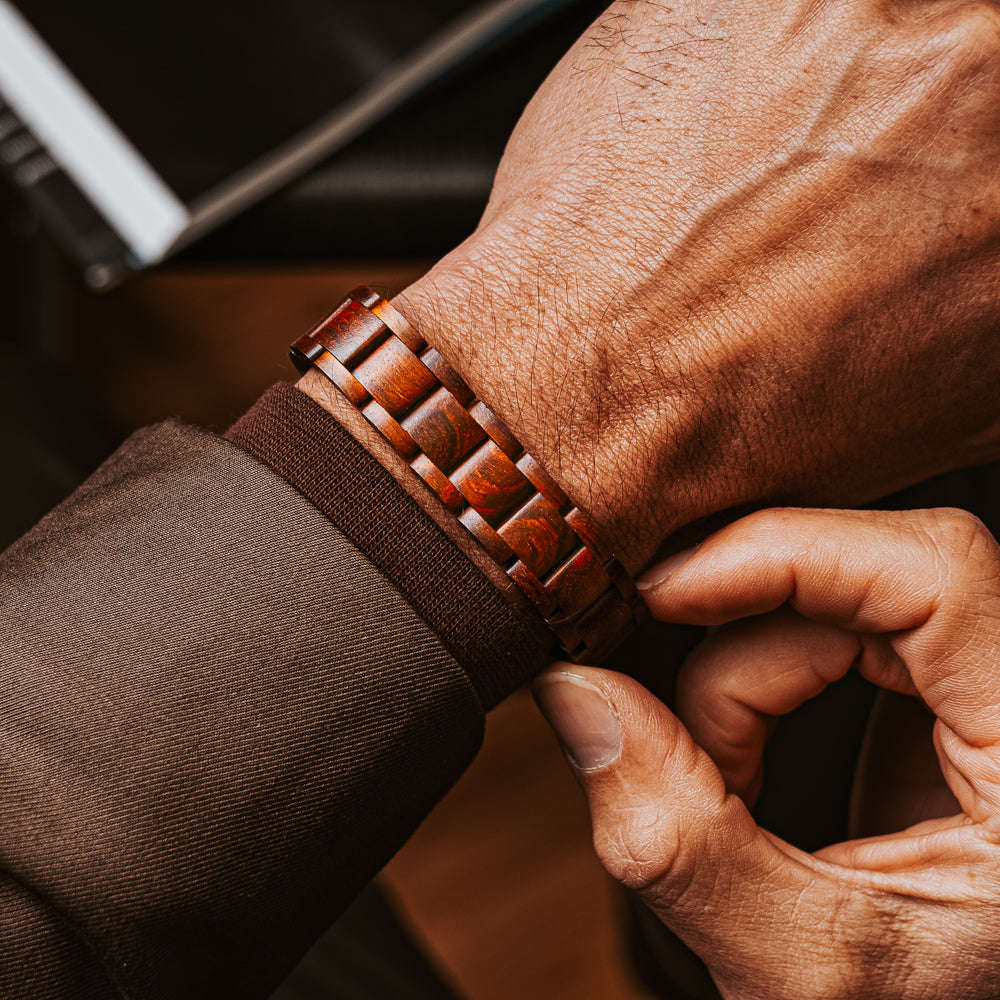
(741, 254)
(221, 716)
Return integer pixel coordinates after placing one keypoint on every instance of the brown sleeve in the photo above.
(302, 442)
(219, 719)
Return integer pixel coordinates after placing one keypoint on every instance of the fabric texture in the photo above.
(219, 720)
(495, 644)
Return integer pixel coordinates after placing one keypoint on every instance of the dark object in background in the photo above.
(135, 129)
(414, 186)
(50, 439)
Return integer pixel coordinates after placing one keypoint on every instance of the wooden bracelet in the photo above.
(463, 452)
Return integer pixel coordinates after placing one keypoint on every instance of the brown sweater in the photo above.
(234, 676)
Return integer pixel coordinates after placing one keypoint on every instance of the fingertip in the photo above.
(582, 715)
(657, 575)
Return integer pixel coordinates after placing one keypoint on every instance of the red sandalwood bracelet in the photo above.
(462, 451)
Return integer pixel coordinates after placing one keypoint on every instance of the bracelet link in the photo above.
(464, 453)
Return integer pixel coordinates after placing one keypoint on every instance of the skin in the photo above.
(742, 254)
(799, 597)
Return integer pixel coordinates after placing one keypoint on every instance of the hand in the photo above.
(911, 600)
(742, 253)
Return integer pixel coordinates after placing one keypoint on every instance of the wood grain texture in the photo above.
(395, 376)
(350, 334)
(444, 430)
(465, 454)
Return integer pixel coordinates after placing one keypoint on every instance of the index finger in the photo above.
(931, 579)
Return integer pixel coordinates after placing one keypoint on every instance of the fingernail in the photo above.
(655, 575)
(582, 718)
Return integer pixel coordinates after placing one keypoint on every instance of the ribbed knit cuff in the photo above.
(496, 646)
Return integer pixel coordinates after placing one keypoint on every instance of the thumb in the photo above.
(743, 900)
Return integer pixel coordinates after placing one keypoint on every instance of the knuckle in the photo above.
(645, 840)
(958, 531)
(820, 981)
(964, 552)
(773, 520)
(701, 676)
(883, 951)
(955, 520)
(871, 932)
(860, 950)
(636, 855)
(968, 34)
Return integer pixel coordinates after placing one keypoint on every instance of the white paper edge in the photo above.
(136, 202)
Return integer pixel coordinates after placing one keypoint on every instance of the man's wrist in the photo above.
(315, 385)
(485, 478)
(507, 363)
